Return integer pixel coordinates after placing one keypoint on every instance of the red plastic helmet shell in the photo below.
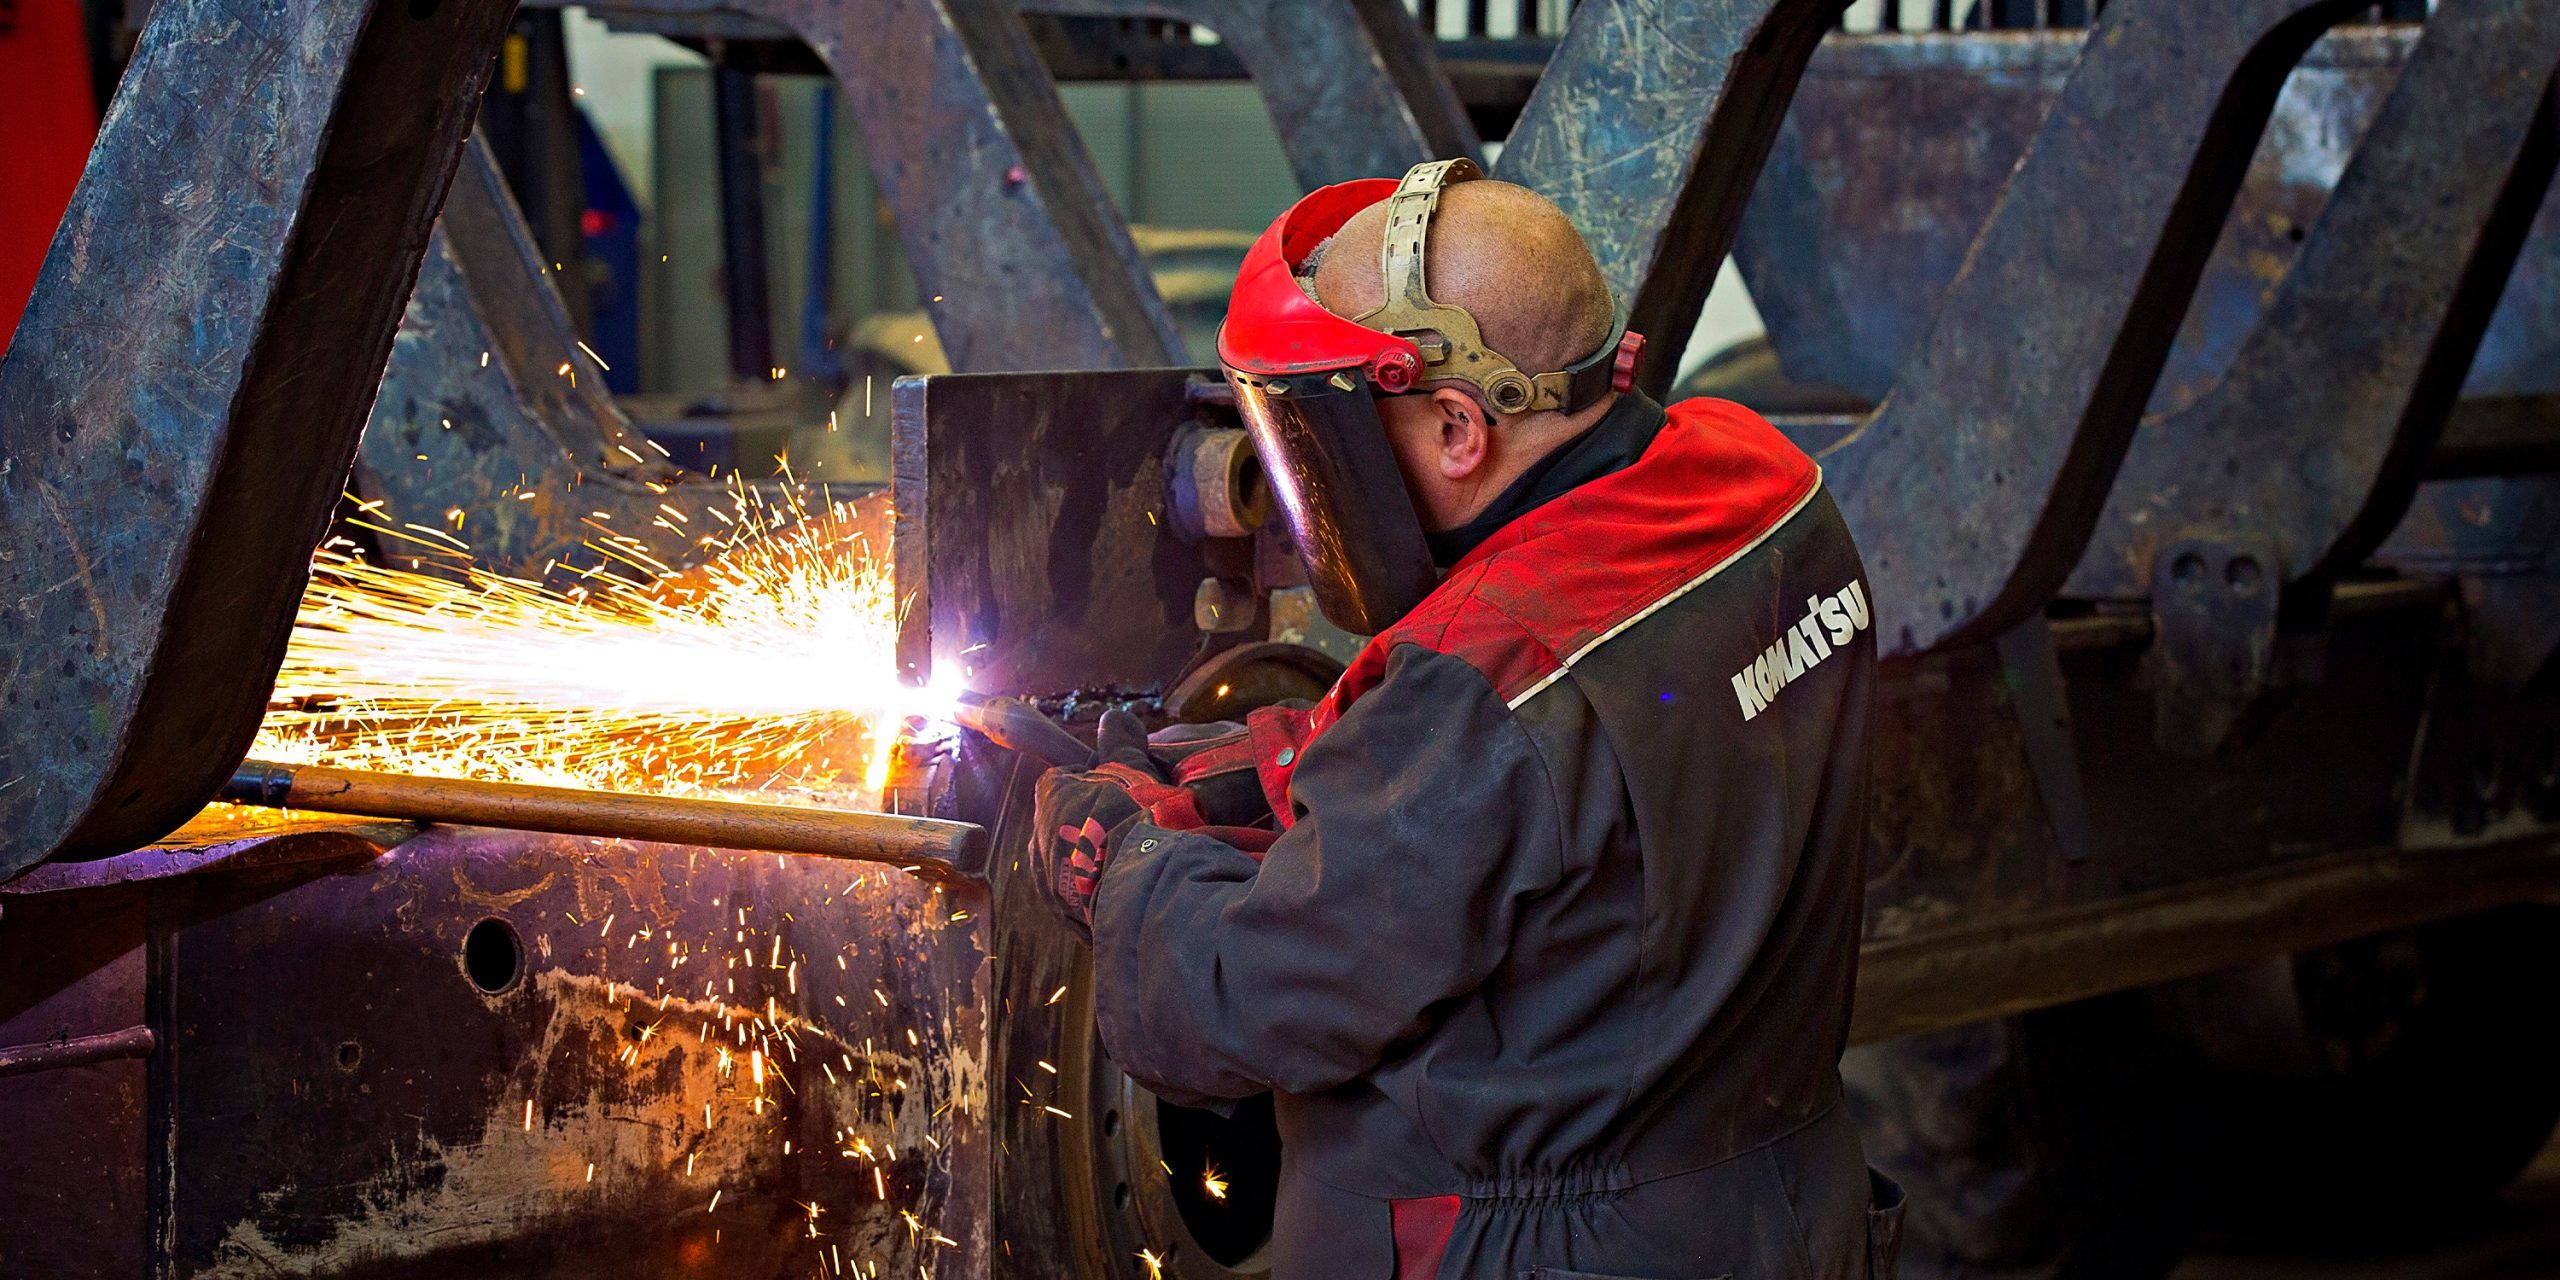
(1273, 329)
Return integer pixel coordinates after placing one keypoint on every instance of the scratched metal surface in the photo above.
(1973, 489)
(344, 1099)
(487, 395)
(1648, 126)
(183, 394)
(74, 1161)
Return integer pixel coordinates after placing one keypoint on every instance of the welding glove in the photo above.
(1078, 814)
(1214, 763)
(1236, 773)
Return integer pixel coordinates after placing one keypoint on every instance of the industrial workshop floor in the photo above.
(2517, 1239)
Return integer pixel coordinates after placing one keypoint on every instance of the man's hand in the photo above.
(1079, 815)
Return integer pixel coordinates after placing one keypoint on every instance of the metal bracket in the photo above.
(1032, 535)
(2036, 688)
(2214, 598)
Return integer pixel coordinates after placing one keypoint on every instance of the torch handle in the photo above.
(934, 848)
(1017, 725)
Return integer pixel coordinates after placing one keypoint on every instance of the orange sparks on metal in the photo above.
(1213, 1182)
(769, 667)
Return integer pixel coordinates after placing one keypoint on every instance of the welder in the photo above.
(1540, 927)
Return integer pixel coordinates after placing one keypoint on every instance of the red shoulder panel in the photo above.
(1715, 482)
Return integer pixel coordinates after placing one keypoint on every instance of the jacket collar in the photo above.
(1612, 444)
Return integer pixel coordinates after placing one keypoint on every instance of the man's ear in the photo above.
(1465, 437)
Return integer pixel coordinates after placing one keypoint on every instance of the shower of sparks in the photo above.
(1213, 1182)
(770, 667)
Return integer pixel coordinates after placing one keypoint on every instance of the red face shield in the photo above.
(1307, 383)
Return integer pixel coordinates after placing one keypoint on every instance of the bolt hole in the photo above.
(2187, 569)
(2242, 573)
(492, 956)
(1120, 1196)
(349, 1054)
(1252, 495)
(1110, 1123)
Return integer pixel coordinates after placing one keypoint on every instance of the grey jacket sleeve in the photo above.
(1425, 814)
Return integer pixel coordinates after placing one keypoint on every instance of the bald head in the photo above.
(1503, 252)
(1517, 264)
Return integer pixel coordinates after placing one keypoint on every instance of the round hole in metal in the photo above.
(492, 956)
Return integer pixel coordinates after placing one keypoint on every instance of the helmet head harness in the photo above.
(1447, 339)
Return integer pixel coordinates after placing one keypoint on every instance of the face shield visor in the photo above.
(1308, 382)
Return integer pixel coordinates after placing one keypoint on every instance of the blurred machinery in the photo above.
(2203, 482)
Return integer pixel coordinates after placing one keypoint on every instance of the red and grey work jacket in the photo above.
(1550, 971)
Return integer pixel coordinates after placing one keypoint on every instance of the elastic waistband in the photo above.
(1598, 1178)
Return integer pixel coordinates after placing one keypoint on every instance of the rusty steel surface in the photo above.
(1962, 846)
(1353, 86)
(186, 387)
(1962, 976)
(565, 1090)
(2483, 527)
(74, 1158)
(2315, 437)
(1973, 488)
(1647, 128)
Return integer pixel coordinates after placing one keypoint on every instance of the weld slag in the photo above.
(1828, 623)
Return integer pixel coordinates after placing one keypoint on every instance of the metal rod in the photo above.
(78, 1051)
(937, 849)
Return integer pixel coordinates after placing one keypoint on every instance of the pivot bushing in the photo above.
(1218, 486)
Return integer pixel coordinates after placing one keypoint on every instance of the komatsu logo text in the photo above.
(1828, 623)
